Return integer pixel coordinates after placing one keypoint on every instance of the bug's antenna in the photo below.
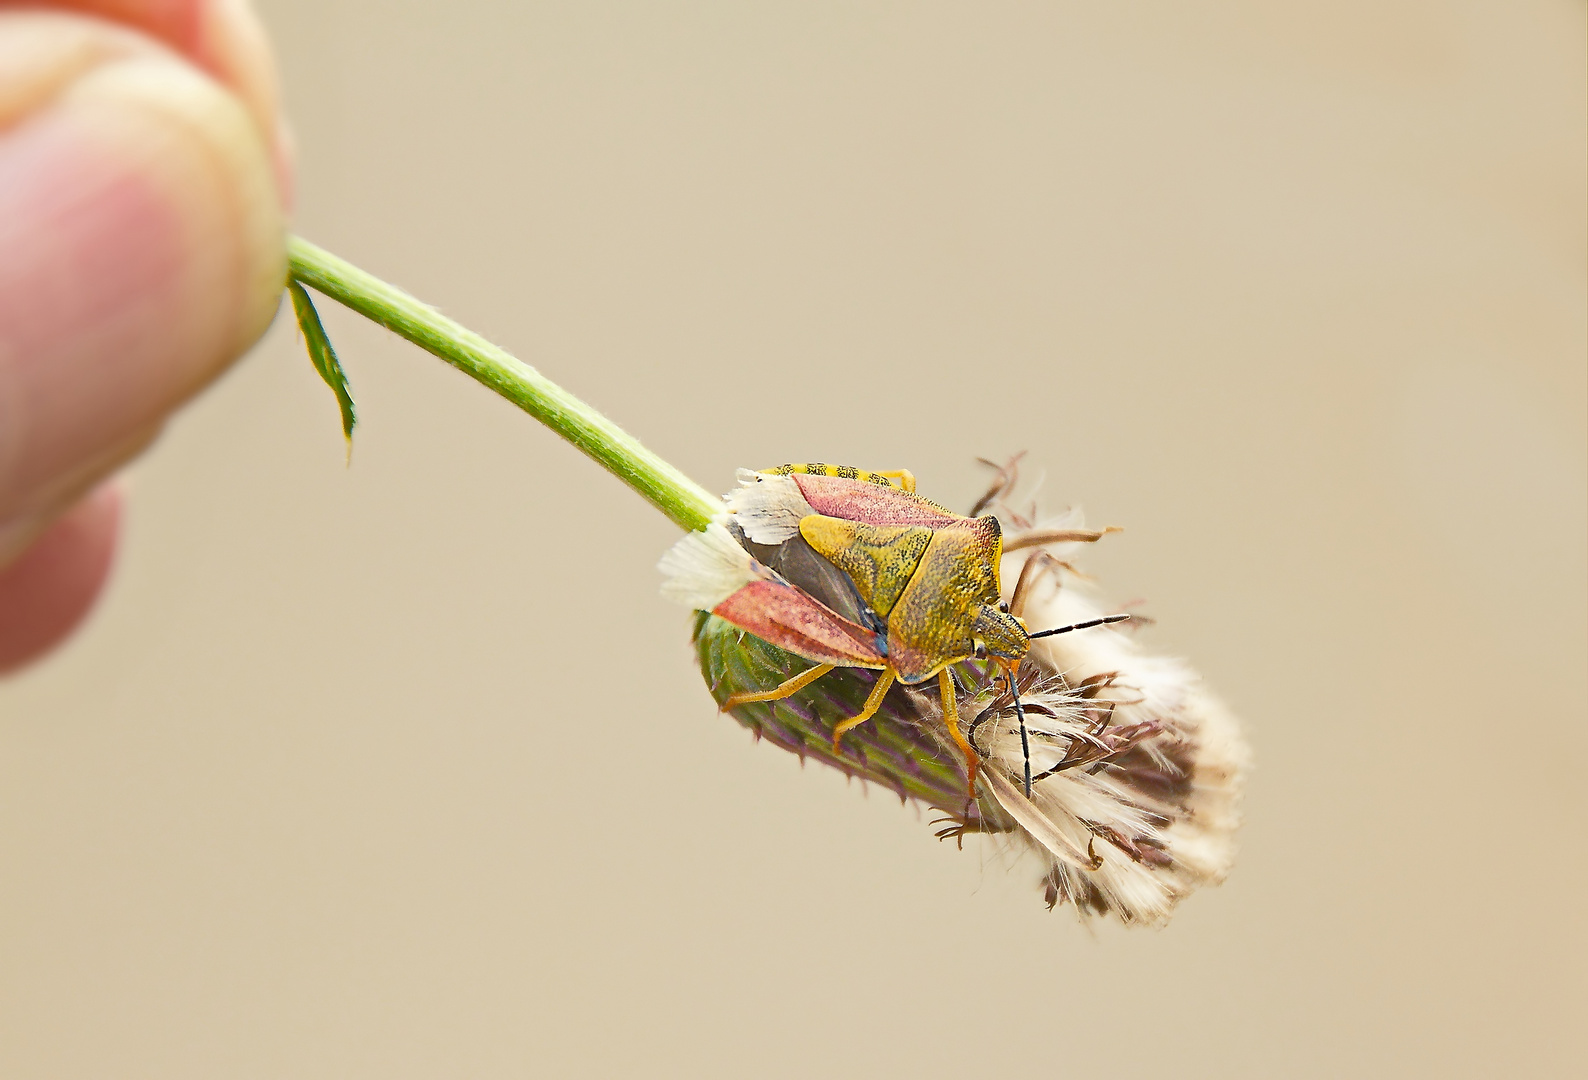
(1104, 621)
(1025, 740)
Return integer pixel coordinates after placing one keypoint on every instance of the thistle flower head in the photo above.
(1134, 768)
(1133, 760)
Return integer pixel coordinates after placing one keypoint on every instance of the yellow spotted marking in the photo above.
(903, 479)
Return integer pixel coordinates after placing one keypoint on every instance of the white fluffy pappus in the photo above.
(704, 568)
(768, 508)
(1137, 768)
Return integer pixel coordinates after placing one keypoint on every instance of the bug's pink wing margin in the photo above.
(873, 504)
(782, 615)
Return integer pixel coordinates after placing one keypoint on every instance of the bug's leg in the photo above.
(945, 685)
(905, 477)
(782, 690)
(873, 703)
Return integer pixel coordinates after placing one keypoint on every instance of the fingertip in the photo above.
(142, 249)
(197, 151)
(47, 592)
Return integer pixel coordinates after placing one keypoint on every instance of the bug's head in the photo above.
(1000, 634)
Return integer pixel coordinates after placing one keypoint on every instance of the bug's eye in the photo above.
(1003, 607)
(981, 651)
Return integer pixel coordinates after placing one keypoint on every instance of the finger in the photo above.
(19, 533)
(48, 591)
(222, 37)
(141, 246)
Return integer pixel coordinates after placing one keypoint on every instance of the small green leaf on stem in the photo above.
(324, 357)
(687, 503)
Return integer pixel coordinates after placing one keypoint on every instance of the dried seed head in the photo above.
(1136, 769)
(1138, 763)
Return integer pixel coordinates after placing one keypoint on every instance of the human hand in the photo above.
(144, 168)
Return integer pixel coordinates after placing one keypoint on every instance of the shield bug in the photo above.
(849, 568)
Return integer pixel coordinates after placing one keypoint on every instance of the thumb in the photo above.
(141, 250)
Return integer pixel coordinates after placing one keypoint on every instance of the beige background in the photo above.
(402, 770)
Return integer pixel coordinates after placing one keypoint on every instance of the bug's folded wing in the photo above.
(709, 571)
(779, 613)
(856, 500)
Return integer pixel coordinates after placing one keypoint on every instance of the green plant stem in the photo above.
(621, 454)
